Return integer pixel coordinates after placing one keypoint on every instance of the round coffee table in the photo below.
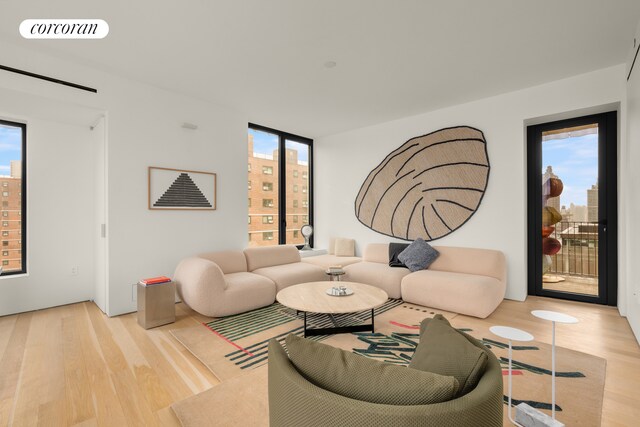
(312, 297)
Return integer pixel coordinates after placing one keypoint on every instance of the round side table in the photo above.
(553, 317)
(511, 334)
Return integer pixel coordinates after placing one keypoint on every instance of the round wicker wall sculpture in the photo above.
(428, 187)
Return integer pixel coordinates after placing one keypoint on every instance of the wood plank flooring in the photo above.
(74, 366)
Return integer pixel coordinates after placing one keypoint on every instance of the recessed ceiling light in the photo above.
(330, 64)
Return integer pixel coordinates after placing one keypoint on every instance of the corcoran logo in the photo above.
(64, 29)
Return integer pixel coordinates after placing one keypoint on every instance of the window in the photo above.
(282, 157)
(304, 188)
(295, 234)
(249, 185)
(249, 201)
(267, 235)
(305, 175)
(267, 219)
(305, 219)
(249, 167)
(249, 220)
(13, 140)
(305, 203)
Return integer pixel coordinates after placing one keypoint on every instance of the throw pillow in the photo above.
(364, 379)
(344, 247)
(394, 251)
(418, 255)
(445, 351)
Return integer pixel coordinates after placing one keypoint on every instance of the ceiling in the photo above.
(394, 58)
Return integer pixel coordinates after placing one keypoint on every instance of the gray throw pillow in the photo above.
(418, 255)
(368, 380)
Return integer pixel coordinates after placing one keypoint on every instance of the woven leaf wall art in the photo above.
(428, 187)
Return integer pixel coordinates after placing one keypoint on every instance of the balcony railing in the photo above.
(579, 253)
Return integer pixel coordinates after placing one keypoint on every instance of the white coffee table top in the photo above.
(312, 297)
(512, 334)
(554, 316)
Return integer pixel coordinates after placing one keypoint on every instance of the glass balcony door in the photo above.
(572, 209)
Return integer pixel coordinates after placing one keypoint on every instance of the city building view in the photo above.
(263, 190)
(11, 197)
(571, 155)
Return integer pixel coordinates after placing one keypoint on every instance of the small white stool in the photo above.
(553, 317)
(511, 334)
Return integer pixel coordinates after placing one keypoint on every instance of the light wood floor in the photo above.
(72, 365)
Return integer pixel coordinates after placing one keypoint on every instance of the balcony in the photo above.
(575, 268)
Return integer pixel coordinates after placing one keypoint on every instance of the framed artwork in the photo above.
(177, 189)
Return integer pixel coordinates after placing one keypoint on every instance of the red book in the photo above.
(155, 280)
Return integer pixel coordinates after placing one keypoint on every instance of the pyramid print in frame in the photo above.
(177, 189)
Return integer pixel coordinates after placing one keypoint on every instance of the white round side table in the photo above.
(511, 334)
(553, 317)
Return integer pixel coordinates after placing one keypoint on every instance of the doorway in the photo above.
(572, 209)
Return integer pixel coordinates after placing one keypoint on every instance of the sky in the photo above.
(575, 161)
(10, 147)
(265, 143)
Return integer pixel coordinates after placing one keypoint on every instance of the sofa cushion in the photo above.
(270, 256)
(483, 262)
(292, 274)
(326, 261)
(468, 294)
(364, 379)
(247, 291)
(376, 274)
(228, 261)
(418, 255)
(345, 247)
(394, 250)
(445, 351)
(376, 252)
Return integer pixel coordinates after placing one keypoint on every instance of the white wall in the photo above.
(632, 207)
(343, 161)
(144, 129)
(59, 207)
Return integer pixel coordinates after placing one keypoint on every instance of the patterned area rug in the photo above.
(237, 344)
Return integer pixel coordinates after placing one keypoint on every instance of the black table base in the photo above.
(310, 332)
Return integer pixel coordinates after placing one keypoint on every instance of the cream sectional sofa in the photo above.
(220, 284)
(462, 280)
(331, 259)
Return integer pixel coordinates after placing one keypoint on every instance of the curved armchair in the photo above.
(222, 288)
(294, 401)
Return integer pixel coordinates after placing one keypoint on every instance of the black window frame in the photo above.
(282, 179)
(23, 199)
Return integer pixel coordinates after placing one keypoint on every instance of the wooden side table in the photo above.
(156, 304)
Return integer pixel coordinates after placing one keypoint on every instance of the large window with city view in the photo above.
(279, 186)
(12, 183)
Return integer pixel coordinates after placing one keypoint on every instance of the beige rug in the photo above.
(235, 350)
